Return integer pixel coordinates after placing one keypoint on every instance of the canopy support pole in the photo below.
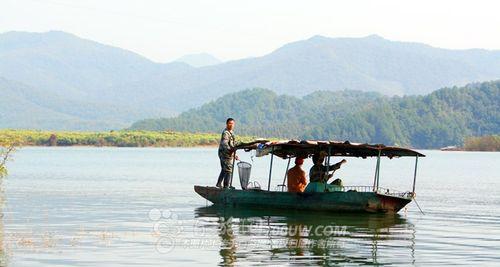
(286, 171)
(232, 170)
(327, 167)
(377, 173)
(270, 170)
(415, 175)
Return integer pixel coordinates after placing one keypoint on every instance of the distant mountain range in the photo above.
(23, 106)
(62, 74)
(199, 60)
(444, 117)
(65, 82)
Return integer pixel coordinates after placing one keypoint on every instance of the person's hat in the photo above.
(299, 161)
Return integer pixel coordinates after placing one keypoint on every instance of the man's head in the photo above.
(230, 123)
(299, 161)
(318, 158)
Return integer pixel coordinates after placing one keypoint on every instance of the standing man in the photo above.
(226, 153)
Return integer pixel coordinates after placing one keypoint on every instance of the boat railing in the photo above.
(281, 188)
(380, 190)
(357, 188)
(361, 188)
(395, 193)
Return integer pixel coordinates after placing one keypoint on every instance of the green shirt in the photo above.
(319, 173)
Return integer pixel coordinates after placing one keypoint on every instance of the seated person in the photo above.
(297, 177)
(319, 175)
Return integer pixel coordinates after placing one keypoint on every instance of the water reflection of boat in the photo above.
(374, 199)
(369, 221)
(303, 236)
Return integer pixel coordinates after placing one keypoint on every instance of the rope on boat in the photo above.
(418, 205)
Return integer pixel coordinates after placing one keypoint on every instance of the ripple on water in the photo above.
(92, 206)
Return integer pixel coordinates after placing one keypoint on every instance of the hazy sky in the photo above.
(232, 29)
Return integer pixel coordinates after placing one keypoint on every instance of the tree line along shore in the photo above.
(112, 138)
(443, 118)
(165, 139)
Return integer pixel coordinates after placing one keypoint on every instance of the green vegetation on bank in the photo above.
(442, 118)
(482, 143)
(7, 148)
(10, 139)
(113, 138)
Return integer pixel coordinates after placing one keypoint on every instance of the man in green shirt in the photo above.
(227, 153)
(321, 173)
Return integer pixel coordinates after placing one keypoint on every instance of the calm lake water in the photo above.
(87, 206)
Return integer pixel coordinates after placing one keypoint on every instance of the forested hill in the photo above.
(444, 117)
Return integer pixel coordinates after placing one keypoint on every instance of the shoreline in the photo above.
(163, 139)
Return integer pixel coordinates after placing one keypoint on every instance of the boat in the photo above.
(366, 198)
(450, 148)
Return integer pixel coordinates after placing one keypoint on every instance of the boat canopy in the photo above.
(306, 148)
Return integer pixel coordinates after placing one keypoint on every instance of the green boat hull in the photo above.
(350, 201)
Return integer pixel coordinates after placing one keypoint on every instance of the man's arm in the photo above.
(235, 143)
(335, 166)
